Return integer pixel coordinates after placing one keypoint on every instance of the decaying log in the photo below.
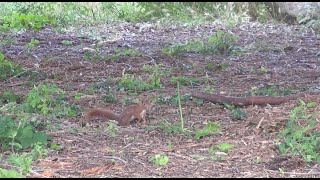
(252, 100)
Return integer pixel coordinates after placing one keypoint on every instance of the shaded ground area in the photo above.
(268, 55)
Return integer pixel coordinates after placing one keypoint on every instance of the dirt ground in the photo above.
(282, 55)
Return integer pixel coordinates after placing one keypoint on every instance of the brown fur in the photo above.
(137, 111)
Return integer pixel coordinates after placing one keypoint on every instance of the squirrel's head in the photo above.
(146, 103)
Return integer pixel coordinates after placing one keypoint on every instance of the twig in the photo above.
(260, 123)
(294, 173)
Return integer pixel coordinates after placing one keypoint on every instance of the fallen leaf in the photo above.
(47, 173)
(55, 164)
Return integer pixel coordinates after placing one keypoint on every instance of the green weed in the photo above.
(221, 43)
(33, 43)
(236, 113)
(22, 161)
(119, 53)
(210, 128)
(9, 96)
(269, 90)
(19, 134)
(112, 129)
(8, 68)
(129, 82)
(4, 173)
(49, 99)
(18, 21)
(160, 160)
(66, 42)
(215, 151)
(301, 135)
(184, 81)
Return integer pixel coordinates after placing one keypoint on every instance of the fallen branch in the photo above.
(253, 100)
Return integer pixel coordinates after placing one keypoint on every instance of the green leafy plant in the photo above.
(38, 151)
(109, 98)
(301, 136)
(66, 42)
(49, 99)
(236, 113)
(172, 100)
(210, 128)
(33, 43)
(129, 82)
(9, 96)
(219, 151)
(4, 173)
(18, 21)
(112, 129)
(269, 90)
(56, 147)
(119, 53)
(160, 160)
(221, 43)
(184, 81)
(22, 161)
(20, 134)
(8, 68)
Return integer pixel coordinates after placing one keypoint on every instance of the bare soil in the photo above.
(288, 56)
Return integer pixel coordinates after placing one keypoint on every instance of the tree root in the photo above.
(253, 100)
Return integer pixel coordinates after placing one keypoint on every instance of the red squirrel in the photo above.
(137, 111)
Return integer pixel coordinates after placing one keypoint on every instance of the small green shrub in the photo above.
(49, 99)
(160, 160)
(269, 90)
(184, 81)
(18, 21)
(301, 139)
(8, 68)
(9, 96)
(33, 43)
(221, 43)
(22, 161)
(129, 82)
(20, 134)
(210, 128)
(4, 173)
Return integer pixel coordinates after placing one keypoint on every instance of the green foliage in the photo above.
(4, 173)
(221, 43)
(119, 53)
(18, 21)
(210, 128)
(49, 99)
(39, 150)
(301, 139)
(112, 129)
(56, 147)
(66, 42)
(129, 82)
(20, 134)
(33, 43)
(9, 96)
(183, 80)
(172, 100)
(109, 98)
(22, 161)
(8, 68)
(89, 13)
(224, 147)
(269, 90)
(160, 160)
(222, 66)
(170, 128)
(236, 113)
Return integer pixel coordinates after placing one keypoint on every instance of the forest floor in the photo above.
(282, 56)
